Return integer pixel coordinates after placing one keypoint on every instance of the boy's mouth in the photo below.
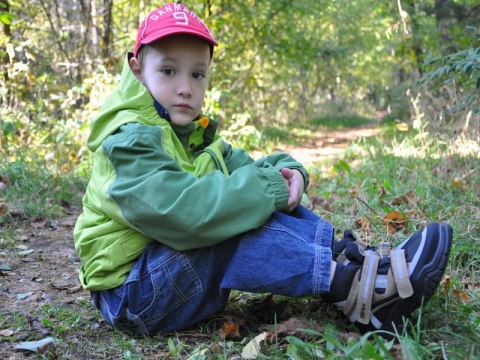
(183, 106)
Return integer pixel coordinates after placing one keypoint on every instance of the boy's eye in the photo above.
(198, 76)
(168, 72)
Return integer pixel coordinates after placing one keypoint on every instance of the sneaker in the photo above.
(379, 288)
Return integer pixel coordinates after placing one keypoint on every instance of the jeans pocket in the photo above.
(158, 291)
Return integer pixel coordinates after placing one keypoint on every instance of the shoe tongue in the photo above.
(352, 253)
(339, 246)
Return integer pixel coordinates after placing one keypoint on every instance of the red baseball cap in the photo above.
(168, 20)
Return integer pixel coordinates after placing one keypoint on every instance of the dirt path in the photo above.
(44, 265)
(332, 143)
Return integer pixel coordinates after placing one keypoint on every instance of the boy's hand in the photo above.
(295, 183)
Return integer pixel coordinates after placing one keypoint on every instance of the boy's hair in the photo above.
(168, 20)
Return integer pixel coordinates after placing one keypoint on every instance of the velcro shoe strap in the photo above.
(349, 306)
(361, 243)
(400, 273)
(383, 249)
(366, 288)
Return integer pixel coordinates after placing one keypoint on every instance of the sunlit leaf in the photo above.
(253, 347)
(402, 126)
(394, 221)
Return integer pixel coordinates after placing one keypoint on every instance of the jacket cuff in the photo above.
(279, 189)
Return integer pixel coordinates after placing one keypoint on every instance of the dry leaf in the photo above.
(364, 223)
(4, 179)
(62, 285)
(40, 346)
(7, 332)
(294, 327)
(38, 223)
(382, 192)
(408, 198)
(459, 181)
(394, 221)
(461, 296)
(74, 289)
(3, 206)
(353, 191)
(230, 330)
(402, 126)
(252, 349)
(319, 202)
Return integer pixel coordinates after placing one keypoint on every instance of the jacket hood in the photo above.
(131, 95)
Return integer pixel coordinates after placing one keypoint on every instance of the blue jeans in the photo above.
(169, 290)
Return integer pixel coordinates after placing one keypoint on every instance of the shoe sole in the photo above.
(424, 282)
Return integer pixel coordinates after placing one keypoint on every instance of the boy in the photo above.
(174, 217)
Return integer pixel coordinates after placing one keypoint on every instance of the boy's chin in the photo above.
(181, 120)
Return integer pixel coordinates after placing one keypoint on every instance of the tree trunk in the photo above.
(5, 8)
(107, 13)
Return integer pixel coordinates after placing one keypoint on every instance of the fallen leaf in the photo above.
(38, 223)
(74, 289)
(254, 346)
(40, 346)
(382, 192)
(25, 253)
(7, 332)
(461, 296)
(294, 327)
(4, 179)
(320, 202)
(353, 191)
(3, 206)
(346, 336)
(402, 126)
(408, 198)
(5, 267)
(459, 181)
(62, 285)
(24, 295)
(200, 354)
(230, 330)
(364, 223)
(394, 221)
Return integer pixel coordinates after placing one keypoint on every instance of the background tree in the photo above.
(278, 62)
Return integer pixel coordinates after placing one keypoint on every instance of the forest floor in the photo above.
(42, 269)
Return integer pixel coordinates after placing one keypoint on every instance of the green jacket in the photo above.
(184, 187)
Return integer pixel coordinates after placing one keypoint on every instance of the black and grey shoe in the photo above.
(379, 289)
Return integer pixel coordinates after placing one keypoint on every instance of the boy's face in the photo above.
(174, 70)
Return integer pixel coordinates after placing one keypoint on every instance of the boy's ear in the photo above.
(136, 68)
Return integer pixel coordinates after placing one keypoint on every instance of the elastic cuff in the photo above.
(279, 188)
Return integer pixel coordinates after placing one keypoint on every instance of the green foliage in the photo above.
(463, 68)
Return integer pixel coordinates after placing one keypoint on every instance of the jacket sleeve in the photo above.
(174, 207)
(236, 158)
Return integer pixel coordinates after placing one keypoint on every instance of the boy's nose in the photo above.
(184, 87)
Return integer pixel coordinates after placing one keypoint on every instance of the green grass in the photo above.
(339, 122)
(422, 176)
(35, 190)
